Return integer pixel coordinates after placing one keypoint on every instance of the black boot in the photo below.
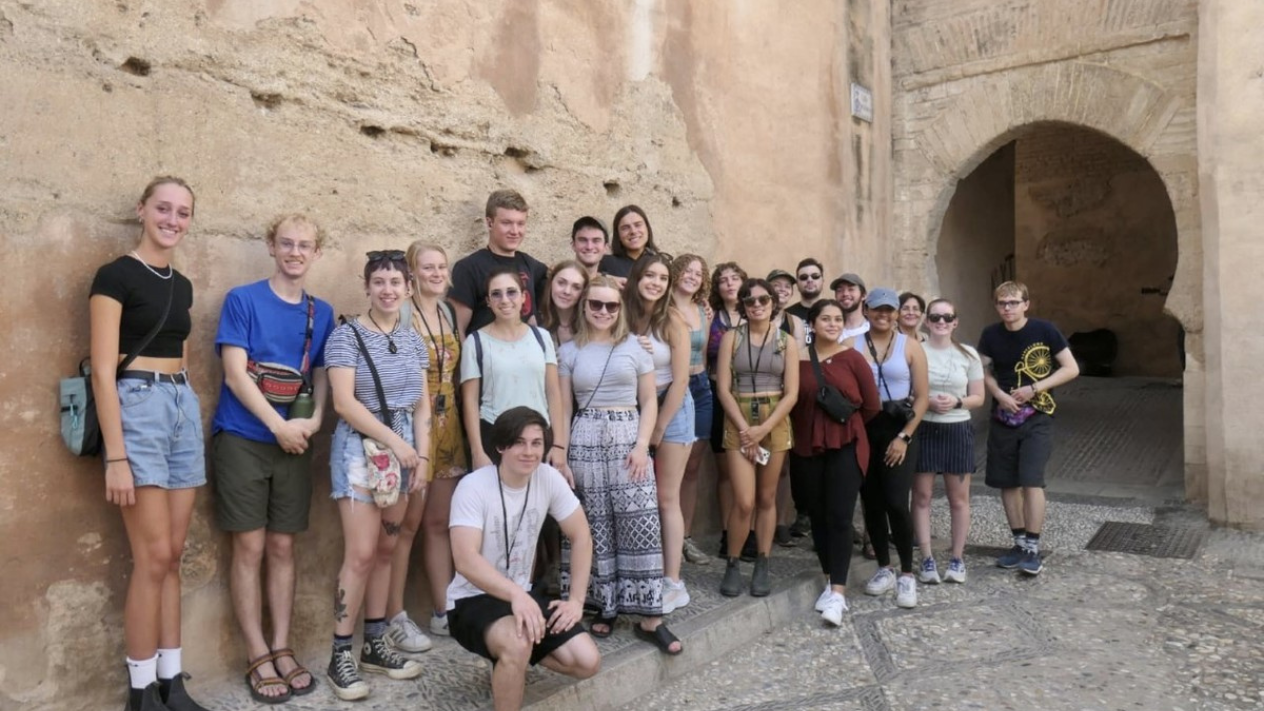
(724, 545)
(760, 584)
(731, 586)
(146, 699)
(749, 548)
(176, 697)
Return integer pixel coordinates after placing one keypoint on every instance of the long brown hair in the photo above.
(952, 336)
(644, 319)
(550, 319)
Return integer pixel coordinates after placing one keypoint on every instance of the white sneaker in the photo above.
(834, 608)
(439, 625)
(824, 598)
(956, 572)
(882, 581)
(405, 635)
(929, 574)
(675, 596)
(906, 594)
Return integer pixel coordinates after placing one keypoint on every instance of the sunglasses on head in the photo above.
(941, 318)
(610, 307)
(761, 300)
(386, 255)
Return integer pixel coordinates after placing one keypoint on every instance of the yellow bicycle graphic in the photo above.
(1037, 363)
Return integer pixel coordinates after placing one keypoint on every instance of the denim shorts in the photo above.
(681, 429)
(347, 465)
(703, 404)
(162, 431)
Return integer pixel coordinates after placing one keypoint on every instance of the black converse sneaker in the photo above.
(378, 657)
(344, 677)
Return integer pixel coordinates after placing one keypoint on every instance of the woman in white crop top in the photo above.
(660, 328)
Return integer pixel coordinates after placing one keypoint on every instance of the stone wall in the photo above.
(387, 121)
(1096, 244)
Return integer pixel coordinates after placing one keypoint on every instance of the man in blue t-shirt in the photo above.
(1023, 359)
(260, 455)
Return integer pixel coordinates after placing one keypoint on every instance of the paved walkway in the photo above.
(1097, 630)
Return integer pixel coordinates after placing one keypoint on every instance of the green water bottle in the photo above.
(304, 405)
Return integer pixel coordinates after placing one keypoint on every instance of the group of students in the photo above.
(500, 403)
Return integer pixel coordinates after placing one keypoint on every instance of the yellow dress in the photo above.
(447, 439)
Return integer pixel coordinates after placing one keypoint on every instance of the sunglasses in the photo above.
(941, 318)
(510, 294)
(386, 255)
(610, 307)
(762, 300)
(809, 277)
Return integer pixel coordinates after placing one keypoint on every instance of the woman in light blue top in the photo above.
(507, 364)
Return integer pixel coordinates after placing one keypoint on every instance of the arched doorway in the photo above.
(1088, 225)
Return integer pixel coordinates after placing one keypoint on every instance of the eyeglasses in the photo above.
(610, 307)
(1010, 303)
(941, 318)
(509, 294)
(386, 255)
(809, 277)
(286, 245)
(762, 300)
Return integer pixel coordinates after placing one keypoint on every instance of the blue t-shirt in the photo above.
(270, 330)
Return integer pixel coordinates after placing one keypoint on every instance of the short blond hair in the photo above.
(297, 219)
(1011, 288)
(620, 329)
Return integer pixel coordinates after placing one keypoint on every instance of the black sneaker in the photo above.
(344, 676)
(749, 549)
(380, 658)
(802, 526)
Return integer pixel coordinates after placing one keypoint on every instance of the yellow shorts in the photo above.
(756, 410)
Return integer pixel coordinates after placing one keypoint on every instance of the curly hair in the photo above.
(717, 301)
(678, 267)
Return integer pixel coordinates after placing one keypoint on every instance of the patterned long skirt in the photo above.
(627, 567)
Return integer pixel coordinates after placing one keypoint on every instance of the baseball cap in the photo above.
(882, 296)
(847, 278)
(779, 274)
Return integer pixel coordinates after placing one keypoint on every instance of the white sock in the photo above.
(169, 666)
(143, 672)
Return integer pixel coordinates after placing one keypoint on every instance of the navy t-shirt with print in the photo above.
(469, 283)
(1028, 354)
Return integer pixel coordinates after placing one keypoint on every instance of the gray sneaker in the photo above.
(405, 635)
(1011, 559)
(344, 676)
(694, 554)
(731, 586)
(1031, 564)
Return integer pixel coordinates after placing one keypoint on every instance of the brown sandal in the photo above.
(296, 671)
(256, 682)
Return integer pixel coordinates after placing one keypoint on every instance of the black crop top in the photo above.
(143, 296)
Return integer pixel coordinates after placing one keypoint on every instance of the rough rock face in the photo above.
(388, 122)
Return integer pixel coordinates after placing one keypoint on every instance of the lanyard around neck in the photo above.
(510, 543)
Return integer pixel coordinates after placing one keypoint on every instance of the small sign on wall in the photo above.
(861, 102)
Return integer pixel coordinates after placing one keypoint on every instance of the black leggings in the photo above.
(885, 494)
(830, 481)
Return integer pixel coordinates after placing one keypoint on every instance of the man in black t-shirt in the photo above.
(810, 276)
(506, 216)
(1024, 359)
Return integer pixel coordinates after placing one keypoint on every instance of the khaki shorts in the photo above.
(779, 439)
(257, 485)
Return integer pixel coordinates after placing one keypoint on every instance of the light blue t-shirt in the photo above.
(270, 330)
(513, 371)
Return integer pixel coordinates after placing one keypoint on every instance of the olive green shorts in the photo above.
(258, 485)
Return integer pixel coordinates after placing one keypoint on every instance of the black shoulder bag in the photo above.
(900, 410)
(828, 397)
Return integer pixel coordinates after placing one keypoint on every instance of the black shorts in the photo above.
(1017, 456)
(471, 617)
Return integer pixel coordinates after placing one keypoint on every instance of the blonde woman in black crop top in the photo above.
(151, 423)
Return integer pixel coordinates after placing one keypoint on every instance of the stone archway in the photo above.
(944, 132)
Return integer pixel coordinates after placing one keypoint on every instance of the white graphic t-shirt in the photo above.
(510, 548)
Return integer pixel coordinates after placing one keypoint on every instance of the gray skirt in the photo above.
(627, 565)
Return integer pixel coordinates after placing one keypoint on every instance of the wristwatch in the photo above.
(959, 404)
(906, 437)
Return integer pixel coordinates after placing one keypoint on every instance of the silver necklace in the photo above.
(168, 275)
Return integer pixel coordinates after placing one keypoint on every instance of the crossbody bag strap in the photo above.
(873, 352)
(816, 367)
(307, 341)
(387, 416)
(153, 332)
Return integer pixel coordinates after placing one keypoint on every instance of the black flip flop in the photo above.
(660, 637)
(607, 621)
